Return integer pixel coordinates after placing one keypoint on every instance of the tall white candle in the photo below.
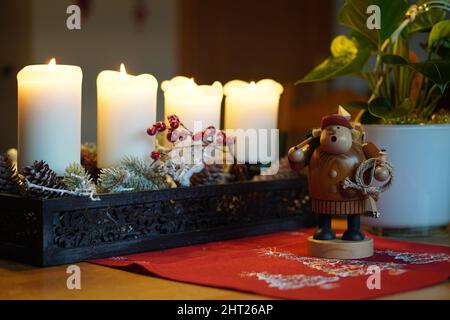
(126, 106)
(252, 106)
(192, 102)
(49, 114)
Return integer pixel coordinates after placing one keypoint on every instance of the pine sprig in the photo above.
(132, 174)
(77, 179)
(113, 180)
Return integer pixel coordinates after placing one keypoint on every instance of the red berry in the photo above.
(174, 124)
(208, 134)
(161, 126)
(198, 136)
(151, 131)
(155, 155)
(219, 140)
(169, 135)
(173, 117)
(210, 131)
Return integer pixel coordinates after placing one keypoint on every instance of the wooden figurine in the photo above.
(341, 168)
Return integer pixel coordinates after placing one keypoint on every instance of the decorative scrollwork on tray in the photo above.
(19, 227)
(93, 226)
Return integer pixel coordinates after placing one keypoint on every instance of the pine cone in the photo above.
(284, 172)
(244, 172)
(9, 179)
(39, 173)
(89, 159)
(210, 175)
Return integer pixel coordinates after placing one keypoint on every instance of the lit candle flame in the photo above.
(52, 64)
(252, 85)
(123, 71)
(191, 83)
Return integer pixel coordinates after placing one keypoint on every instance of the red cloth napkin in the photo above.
(276, 265)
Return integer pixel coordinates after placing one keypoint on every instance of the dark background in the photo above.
(206, 39)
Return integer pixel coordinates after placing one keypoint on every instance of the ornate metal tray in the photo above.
(71, 229)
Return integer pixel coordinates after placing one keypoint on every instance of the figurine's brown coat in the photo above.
(326, 173)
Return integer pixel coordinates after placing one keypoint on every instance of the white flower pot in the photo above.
(419, 199)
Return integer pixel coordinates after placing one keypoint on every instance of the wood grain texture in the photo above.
(340, 249)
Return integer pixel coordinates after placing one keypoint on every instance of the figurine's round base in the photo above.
(340, 249)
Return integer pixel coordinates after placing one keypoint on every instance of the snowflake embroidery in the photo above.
(294, 281)
(338, 267)
(416, 257)
(118, 258)
(297, 233)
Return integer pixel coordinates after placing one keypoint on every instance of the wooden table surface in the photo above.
(19, 281)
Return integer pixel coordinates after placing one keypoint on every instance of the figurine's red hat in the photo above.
(335, 119)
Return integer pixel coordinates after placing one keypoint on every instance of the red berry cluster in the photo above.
(176, 131)
(174, 121)
(157, 127)
(172, 135)
(211, 134)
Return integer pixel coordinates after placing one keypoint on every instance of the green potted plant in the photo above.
(406, 112)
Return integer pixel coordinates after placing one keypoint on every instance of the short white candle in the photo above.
(49, 115)
(252, 106)
(126, 106)
(192, 102)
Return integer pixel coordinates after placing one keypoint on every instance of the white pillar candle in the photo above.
(252, 106)
(192, 102)
(49, 115)
(126, 106)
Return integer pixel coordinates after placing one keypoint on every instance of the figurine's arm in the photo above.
(297, 158)
(300, 154)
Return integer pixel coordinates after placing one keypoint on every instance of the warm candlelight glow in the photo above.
(191, 83)
(123, 72)
(257, 101)
(49, 115)
(126, 105)
(192, 102)
(52, 64)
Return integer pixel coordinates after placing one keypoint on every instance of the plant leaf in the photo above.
(345, 59)
(426, 20)
(437, 71)
(380, 107)
(368, 118)
(394, 59)
(361, 40)
(392, 15)
(439, 33)
(355, 105)
(343, 46)
(353, 14)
